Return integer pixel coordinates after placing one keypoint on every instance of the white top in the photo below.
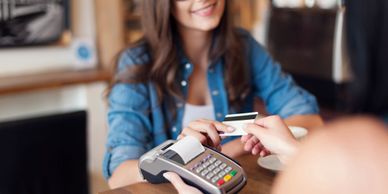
(195, 112)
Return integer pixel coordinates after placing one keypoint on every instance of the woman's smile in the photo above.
(205, 11)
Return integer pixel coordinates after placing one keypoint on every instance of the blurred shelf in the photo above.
(15, 84)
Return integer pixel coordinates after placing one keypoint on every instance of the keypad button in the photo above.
(227, 178)
(218, 162)
(221, 174)
(234, 172)
(227, 169)
(211, 167)
(222, 166)
(205, 164)
(210, 175)
(212, 160)
(220, 182)
(199, 169)
(204, 172)
(215, 179)
(216, 170)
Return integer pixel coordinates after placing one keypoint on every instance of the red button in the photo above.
(220, 182)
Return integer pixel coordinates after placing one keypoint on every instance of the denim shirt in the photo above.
(136, 120)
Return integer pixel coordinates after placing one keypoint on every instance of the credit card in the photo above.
(238, 122)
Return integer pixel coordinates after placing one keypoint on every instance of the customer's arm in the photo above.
(130, 128)
(348, 156)
(126, 173)
(128, 137)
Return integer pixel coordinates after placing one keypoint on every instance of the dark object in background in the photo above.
(367, 29)
(45, 155)
(32, 22)
(303, 41)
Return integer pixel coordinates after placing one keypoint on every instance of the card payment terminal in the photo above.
(199, 166)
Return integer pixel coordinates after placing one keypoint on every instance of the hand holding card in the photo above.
(238, 122)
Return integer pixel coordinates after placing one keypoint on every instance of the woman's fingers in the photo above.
(191, 132)
(204, 123)
(211, 128)
(211, 131)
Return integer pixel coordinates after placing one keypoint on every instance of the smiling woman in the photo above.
(200, 16)
(191, 55)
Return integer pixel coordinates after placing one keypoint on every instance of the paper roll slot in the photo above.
(185, 150)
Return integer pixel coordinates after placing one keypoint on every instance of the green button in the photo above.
(233, 173)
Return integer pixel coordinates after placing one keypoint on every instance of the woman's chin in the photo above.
(206, 26)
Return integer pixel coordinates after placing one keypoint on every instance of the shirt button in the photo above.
(188, 65)
(174, 129)
(179, 105)
(215, 92)
(184, 83)
(219, 115)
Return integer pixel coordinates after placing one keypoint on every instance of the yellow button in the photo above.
(227, 177)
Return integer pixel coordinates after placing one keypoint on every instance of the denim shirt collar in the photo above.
(185, 62)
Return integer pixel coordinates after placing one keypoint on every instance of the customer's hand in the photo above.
(179, 185)
(253, 145)
(206, 131)
(272, 134)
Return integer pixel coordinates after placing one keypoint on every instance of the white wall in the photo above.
(79, 97)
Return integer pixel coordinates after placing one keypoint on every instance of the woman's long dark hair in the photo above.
(161, 37)
(367, 32)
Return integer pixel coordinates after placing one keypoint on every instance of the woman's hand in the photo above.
(179, 185)
(270, 134)
(206, 131)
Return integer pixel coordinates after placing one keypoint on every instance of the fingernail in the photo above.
(230, 129)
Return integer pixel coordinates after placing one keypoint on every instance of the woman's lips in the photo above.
(206, 11)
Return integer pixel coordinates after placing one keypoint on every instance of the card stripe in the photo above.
(238, 118)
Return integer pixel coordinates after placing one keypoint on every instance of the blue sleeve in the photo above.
(128, 119)
(277, 89)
